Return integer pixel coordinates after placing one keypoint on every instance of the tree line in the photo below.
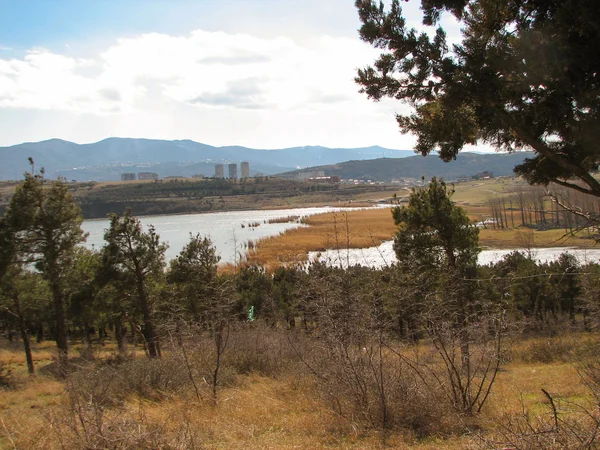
(538, 208)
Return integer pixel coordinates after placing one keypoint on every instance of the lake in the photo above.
(230, 240)
(223, 228)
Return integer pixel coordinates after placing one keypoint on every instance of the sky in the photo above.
(258, 73)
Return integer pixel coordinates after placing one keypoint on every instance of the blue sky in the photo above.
(259, 73)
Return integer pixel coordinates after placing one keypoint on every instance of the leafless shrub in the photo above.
(358, 364)
(563, 425)
(110, 384)
(258, 348)
(547, 351)
(88, 424)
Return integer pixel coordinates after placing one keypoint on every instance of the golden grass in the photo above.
(353, 229)
(370, 227)
(282, 413)
(523, 237)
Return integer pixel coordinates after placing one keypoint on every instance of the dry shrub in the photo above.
(85, 424)
(260, 349)
(6, 380)
(545, 350)
(563, 425)
(373, 387)
(110, 384)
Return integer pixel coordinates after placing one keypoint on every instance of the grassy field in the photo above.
(286, 411)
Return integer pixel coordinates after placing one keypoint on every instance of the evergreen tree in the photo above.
(193, 275)
(46, 226)
(140, 256)
(434, 232)
(526, 74)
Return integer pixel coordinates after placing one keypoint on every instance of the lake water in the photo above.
(230, 239)
(384, 255)
(223, 228)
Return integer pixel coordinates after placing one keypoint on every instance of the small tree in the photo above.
(140, 256)
(434, 232)
(10, 271)
(193, 274)
(46, 225)
(437, 247)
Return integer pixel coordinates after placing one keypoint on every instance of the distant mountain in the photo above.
(387, 169)
(107, 159)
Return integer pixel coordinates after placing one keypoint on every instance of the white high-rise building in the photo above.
(245, 169)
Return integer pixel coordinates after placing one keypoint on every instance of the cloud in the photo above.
(204, 69)
(45, 80)
(244, 94)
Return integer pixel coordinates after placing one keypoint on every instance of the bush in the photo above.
(259, 349)
(111, 384)
(5, 376)
(546, 351)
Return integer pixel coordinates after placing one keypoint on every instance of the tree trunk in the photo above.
(119, 335)
(61, 328)
(148, 330)
(24, 334)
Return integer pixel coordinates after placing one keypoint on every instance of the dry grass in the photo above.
(285, 412)
(520, 237)
(370, 227)
(353, 229)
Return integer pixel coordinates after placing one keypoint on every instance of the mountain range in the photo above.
(108, 159)
(388, 169)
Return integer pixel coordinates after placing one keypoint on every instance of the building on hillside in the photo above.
(219, 171)
(307, 175)
(128, 176)
(485, 175)
(147, 176)
(233, 173)
(332, 179)
(245, 168)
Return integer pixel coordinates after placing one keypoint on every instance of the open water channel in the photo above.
(384, 255)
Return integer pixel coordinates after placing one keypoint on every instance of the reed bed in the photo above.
(352, 229)
(287, 219)
(370, 227)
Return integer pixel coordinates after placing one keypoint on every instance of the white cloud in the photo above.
(205, 69)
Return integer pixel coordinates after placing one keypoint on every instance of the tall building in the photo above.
(245, 169)
(219, 171)
(128, 176)
(147, 176)
(233, 171)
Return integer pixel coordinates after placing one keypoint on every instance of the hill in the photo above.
(387, 169)
(107, 159)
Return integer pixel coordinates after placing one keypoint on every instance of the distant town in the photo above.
(312, 176)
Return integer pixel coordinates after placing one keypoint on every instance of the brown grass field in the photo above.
(283, 412)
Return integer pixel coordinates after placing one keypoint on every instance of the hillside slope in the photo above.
(387, 169)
